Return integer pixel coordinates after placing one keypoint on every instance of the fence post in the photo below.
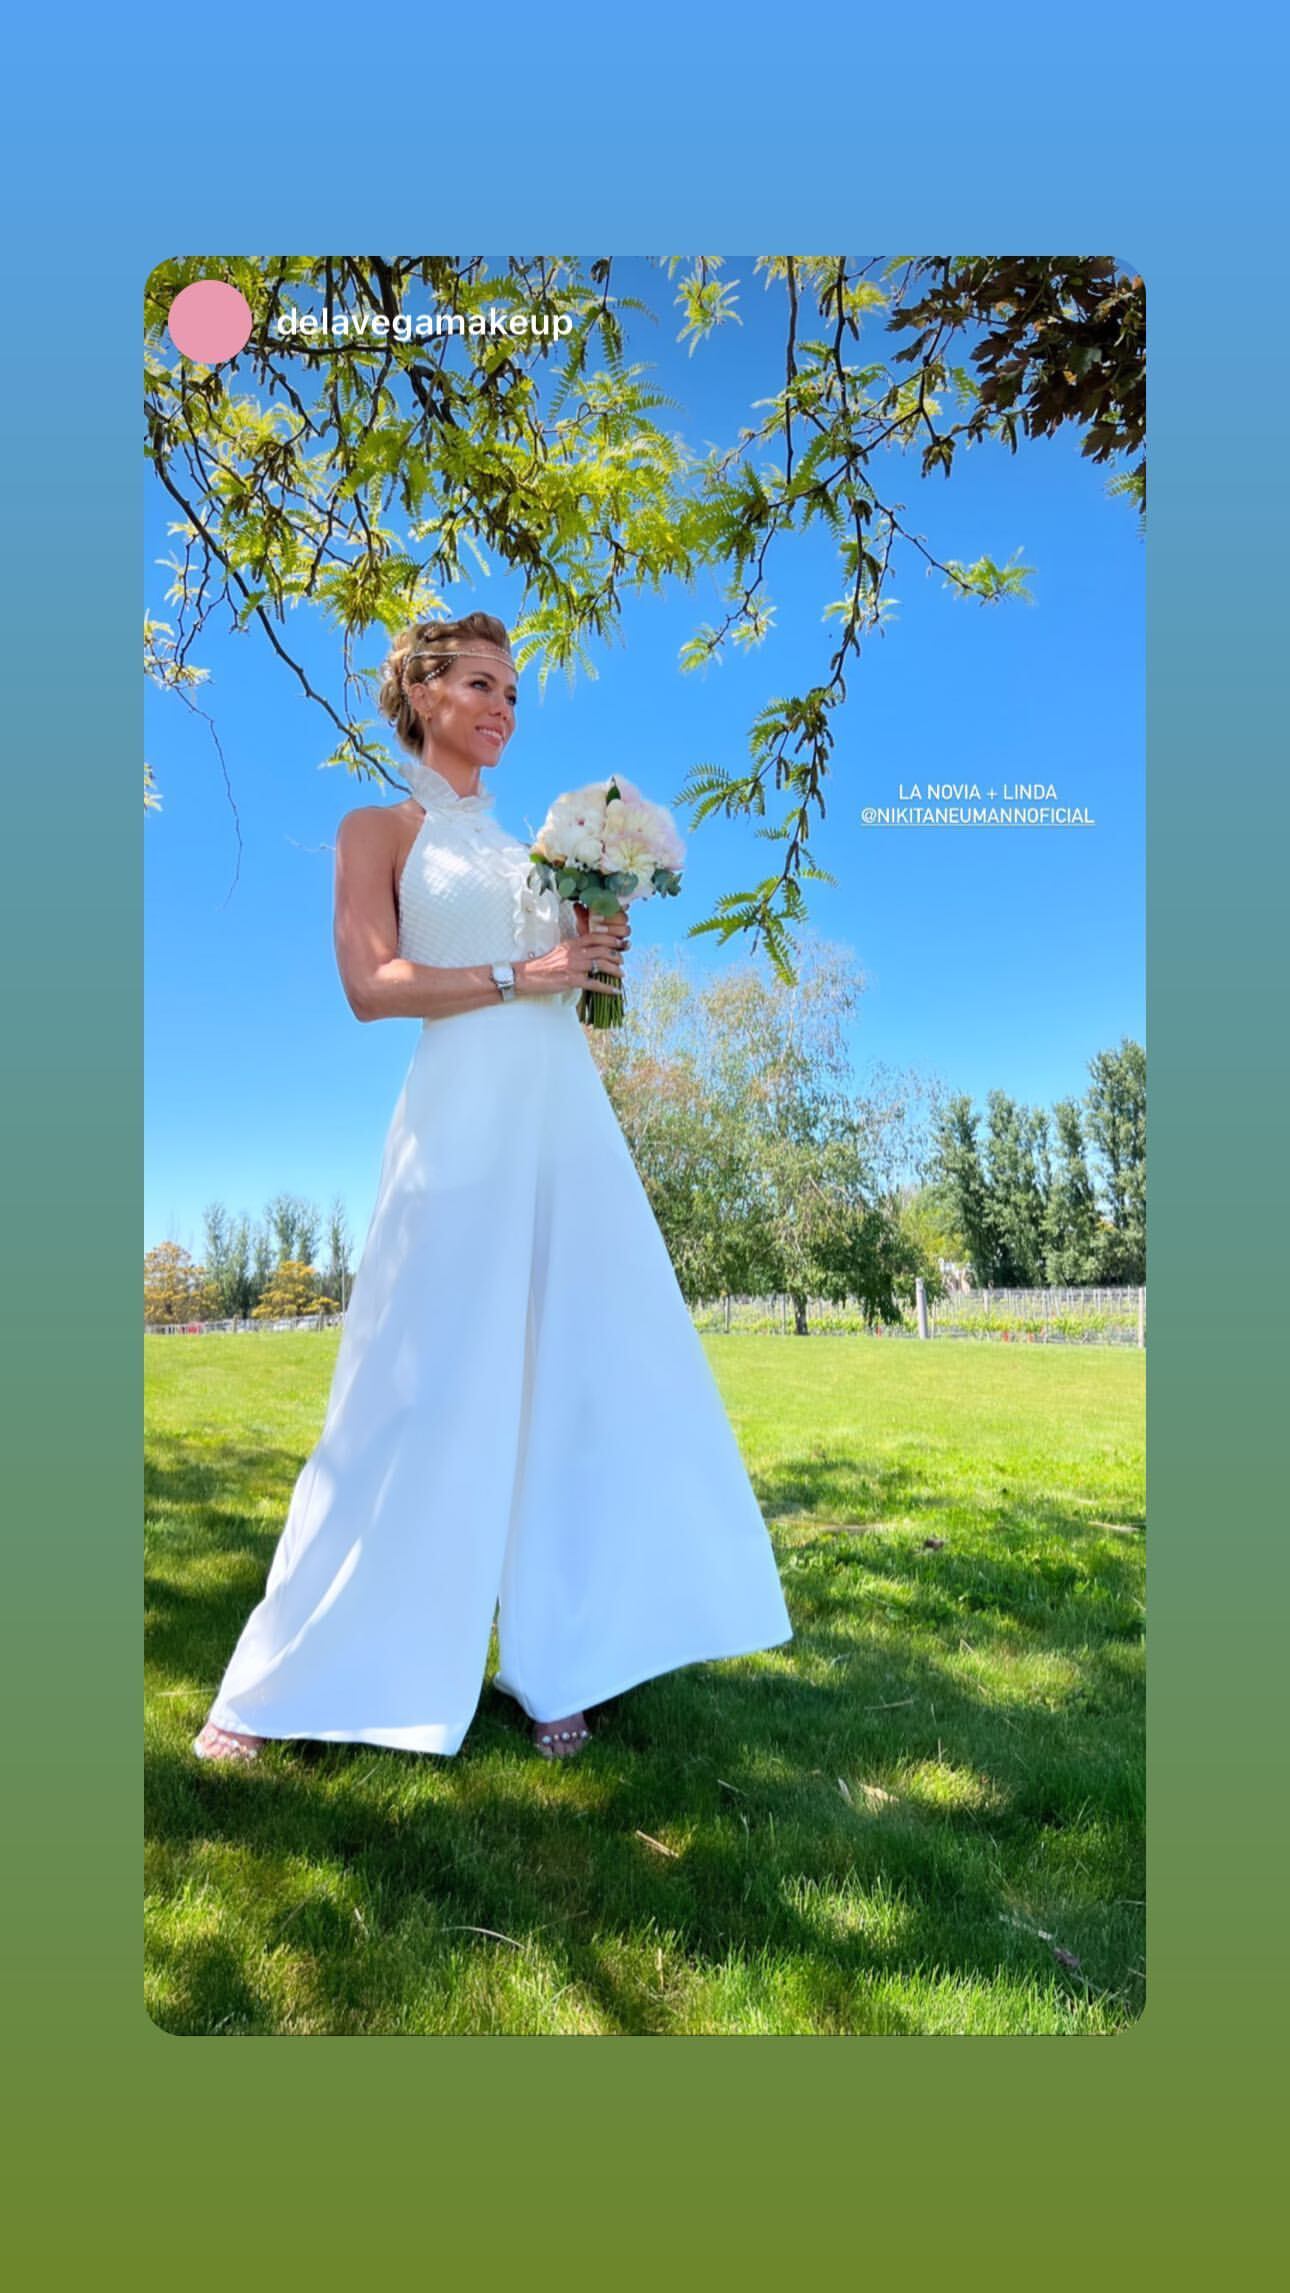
(920, 1299)
(1142, 1314)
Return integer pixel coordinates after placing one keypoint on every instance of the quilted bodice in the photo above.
(464, 895)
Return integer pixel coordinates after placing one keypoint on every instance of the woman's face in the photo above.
(469, 711)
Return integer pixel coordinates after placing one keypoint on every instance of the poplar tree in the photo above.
(1116, 1113)
(1016, 1182)
(960, 1185)
(1072, 1229)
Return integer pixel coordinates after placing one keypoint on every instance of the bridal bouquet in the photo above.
(602, 847)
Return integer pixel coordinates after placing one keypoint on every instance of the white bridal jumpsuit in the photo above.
(522, 1419)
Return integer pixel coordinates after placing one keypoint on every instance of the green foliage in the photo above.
(1130, 485)
(1027, 1221)
(767, 1171)
(1055, 340)
(988, 582)
(707, 303)
(293, 1293)
(600, 895)
(253, 1274)
(1116, 1104)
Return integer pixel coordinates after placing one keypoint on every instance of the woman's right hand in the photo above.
(571, 964)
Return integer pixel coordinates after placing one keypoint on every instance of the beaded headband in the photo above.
(456, 653)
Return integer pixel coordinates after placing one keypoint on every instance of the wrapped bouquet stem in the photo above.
(603, 847)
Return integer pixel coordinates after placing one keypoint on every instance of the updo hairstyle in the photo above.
(407, 663)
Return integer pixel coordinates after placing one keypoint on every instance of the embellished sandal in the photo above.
(216, 1743)
(546, 1743)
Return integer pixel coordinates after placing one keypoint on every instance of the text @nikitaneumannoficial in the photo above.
(359, 326)
(964, 804)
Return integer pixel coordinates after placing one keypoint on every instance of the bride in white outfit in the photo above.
(487, 1450)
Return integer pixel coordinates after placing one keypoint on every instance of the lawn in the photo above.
(924, 1814)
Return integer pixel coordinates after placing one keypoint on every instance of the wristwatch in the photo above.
(504, 974)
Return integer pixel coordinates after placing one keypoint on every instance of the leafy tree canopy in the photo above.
(366, 472)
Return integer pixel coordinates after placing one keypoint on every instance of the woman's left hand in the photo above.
(617, 927)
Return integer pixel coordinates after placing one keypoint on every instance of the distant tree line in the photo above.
(1052, 1202)
(293, 1261)
(771, 1174)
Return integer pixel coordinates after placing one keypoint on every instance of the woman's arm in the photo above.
(379, 983)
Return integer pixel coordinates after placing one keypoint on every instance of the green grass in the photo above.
(893, 1824)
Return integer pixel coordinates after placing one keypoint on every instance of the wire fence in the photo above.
(1055, 1317)
(218, 1329)
(1107, 1317)
(1050, 1317)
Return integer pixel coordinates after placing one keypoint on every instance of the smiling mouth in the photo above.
(490, 732)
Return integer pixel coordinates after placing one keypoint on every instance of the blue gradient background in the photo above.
(1013, 2158)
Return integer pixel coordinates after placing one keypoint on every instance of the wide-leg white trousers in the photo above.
(522, 1423)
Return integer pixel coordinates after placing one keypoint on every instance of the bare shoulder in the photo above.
(369, 821)
(389, 829)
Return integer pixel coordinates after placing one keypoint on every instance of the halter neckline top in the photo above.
(435, 794)
(466, 890)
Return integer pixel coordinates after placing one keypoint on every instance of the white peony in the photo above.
(630, 838)
(573, 828)
(647, 828)
(586, 805)
(627, 833)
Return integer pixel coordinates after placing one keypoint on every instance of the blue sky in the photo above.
(994, 957)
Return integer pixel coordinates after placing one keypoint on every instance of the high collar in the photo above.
(435, 794)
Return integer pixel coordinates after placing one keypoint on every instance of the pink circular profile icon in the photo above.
(209, 321)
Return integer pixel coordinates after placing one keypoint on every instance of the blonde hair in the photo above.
(414, 645)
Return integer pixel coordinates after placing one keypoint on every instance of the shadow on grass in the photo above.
(180, 1478)
(738, 1768)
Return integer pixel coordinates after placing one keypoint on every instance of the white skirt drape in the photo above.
(522, 1422)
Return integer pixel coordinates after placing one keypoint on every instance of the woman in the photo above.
(487, 1445)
